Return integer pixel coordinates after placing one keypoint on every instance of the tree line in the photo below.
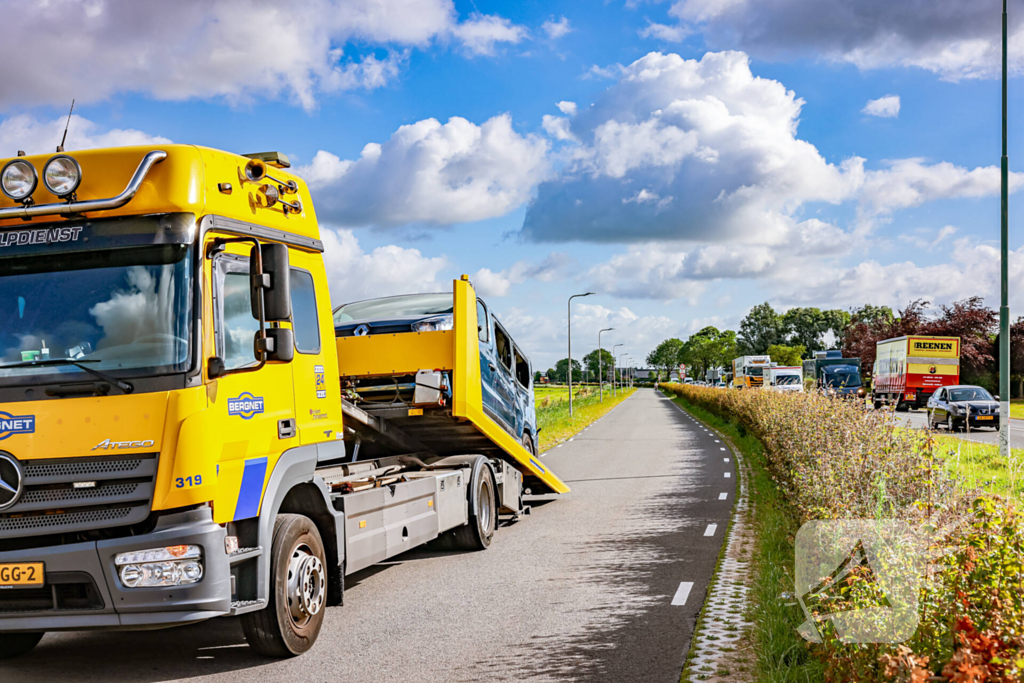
(794, 335)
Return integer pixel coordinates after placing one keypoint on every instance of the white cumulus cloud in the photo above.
(556, 29)
(230, 49)
(887, 107)
(28, 134)
(355, 275)
(430, 173)
(951, 38)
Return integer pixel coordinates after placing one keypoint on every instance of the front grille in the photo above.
(391, 328)
(117, 492)
(63, 592)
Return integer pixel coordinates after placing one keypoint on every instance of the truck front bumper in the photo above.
(87, 593)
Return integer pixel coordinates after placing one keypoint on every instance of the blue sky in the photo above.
(708, 155)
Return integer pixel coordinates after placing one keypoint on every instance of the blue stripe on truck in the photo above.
(251, 490)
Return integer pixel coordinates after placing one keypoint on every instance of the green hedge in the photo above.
(835, 459)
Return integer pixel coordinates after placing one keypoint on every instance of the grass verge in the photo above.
(556, 425)
(781, 654)
(1017, 408)
(979, 465)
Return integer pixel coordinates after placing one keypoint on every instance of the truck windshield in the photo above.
(787, 380)
(125, 311)
(753, 371)
(408, 306)
(842, 379)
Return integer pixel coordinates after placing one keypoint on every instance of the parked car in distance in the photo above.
(721, 385)
(506, 377)
(963, 406)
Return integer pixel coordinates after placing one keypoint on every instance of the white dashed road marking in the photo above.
(728, 474)
(723, 496)
(682, 593)
(710, 531)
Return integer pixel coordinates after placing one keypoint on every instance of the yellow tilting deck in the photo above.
(458, 352)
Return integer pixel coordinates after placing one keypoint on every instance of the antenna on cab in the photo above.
(60, 147)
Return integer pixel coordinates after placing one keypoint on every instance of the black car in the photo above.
(962, 406)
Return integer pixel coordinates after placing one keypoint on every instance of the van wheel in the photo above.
(528, 444)
(16, 644)
(290, 623)
(483, 517)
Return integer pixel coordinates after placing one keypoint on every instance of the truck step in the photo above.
(243, 606)
(243, 554)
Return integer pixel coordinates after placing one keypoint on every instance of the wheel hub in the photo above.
(307, 585)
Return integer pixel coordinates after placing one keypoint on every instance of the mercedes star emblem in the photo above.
(11, 481)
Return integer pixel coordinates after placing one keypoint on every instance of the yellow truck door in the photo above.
(253, 413)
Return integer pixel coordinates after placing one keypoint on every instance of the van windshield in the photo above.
(842, 379)
(407, 306)
(787, 380)
(116, 309)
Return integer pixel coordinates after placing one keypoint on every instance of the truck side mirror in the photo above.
(215, 367)
(274, 281)
(283, 342)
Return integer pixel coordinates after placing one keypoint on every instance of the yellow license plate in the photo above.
(984, 417)
(20, 574)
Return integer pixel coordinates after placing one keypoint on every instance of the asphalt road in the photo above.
(581, 590)
(919, 419)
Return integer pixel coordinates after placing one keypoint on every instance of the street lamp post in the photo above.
(613, 366)
(621, 385)
(569, 323)
(600, 368)
(1004, 306)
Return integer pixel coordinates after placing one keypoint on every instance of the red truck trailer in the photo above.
(908, 370)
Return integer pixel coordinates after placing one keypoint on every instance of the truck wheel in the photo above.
(290, 623)
(878, 404)
(16, 644)
(483, 517)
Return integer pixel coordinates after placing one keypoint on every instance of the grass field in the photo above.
(553, 411)
(1017, 408)
(980, 465)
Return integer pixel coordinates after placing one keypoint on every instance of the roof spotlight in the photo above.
(18, 179)
(62, 175)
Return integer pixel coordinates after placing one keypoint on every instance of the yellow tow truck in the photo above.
(174, 440)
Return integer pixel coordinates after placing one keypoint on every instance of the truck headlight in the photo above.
(441, 322)
(174, 565)
(61, 175)
(18, 179)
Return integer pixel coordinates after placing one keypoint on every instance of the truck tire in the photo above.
(16, 644)
(478, 532)
(290, 623)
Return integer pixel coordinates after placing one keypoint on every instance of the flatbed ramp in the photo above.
(459, 427)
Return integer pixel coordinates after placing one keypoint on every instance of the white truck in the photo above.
(784, 378)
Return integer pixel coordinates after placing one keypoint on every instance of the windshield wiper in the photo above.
(126, 387)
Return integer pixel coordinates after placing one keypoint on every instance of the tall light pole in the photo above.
(613, 366)
(1004, 305)
(600, 368)
(569, 322)
(626, 353)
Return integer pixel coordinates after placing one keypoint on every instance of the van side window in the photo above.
(483, 329)
(522, 369)
(304, 319)
(504, 346)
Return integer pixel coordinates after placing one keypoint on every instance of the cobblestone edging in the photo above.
(722, 646)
